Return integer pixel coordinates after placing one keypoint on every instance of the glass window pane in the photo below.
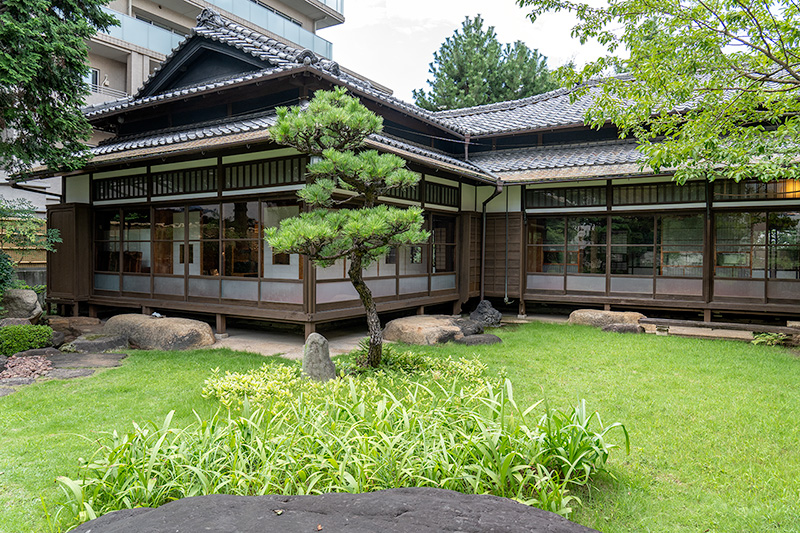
(107, 225)
(169, 224)
(632, 260)
(588, 259)
(444, 230)
(107, 259)
(784, 262)
(546, 231)
(241, 258)
(546, 259)
(241, 220)
(784, 228)
(676, 230)
(632, 230)
(444, 258)
(741, 228)
(740, 261)
(584, 231)
(202, 256)
(280, 266)
(136, 257)
(137, 224)
(413, 260)
(680, 261)
(204, 222)
(169, 257)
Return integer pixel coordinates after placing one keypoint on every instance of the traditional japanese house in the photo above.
(522, 200)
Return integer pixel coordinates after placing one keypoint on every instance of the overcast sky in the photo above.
(392, 41)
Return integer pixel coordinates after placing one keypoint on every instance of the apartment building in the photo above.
(124, 57)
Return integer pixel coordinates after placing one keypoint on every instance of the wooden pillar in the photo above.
(421, 310)
(310, 327)
(607, 307)
(457, 307)
(146, 310)
(221, 324)
(92, 311)
(76, 309)
(707, 315)
(522, 312)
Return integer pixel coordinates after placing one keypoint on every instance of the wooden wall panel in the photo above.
(495, 265)
(69, 268)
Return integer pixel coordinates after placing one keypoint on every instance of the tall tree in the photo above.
(333, 127)
(42, 80)
(473, 68)
(711, 87)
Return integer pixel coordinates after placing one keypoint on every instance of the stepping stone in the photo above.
(69, 373)
(5, 391)
(86, 360)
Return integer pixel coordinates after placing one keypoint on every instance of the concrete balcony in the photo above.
(143, 34)
(275, 23)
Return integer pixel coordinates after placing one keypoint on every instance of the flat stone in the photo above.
(317, 363)
(75, 326)
(99, 343)
(481, 339)
(69, 373)
(86, 360)
(405, 510)
(45, 352)
(598, 318)
(5, 391)
(14, 322)
(150, 333)
(486, 315)
(13, 382)
(623, 328)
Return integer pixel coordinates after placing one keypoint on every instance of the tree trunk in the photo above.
(356, 274)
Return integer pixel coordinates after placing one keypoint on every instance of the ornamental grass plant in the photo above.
(283, 434)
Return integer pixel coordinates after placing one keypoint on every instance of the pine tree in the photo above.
(333, 127)
(473, 68)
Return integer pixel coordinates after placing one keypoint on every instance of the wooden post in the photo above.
(457, 307)
(221, 324)
(421, 310)
(707, 315)
(92, 311)
(522, 312)
(310, 327)
(76, 309)
(607, 307)
(146, 310)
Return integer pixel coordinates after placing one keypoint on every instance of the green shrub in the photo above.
(15, 339)
(770, 339)
(354, 434)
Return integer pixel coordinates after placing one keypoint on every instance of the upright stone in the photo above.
(22, 303)
(317, 363)
(487, 315)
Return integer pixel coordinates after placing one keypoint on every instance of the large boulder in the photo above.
(407, 510)
(429, 329)
(599, 319)
(486, 315)
(317, 363)
(150, 333)
(623, 328)
(22, 303)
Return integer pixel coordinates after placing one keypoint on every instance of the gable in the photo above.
(199, 60)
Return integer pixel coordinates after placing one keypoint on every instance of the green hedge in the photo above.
(15, 339)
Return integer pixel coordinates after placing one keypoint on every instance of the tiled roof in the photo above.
(563, 155)
(255, 126)
(579, 160)
(548, 110)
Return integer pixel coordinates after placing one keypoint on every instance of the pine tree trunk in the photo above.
(356, 274)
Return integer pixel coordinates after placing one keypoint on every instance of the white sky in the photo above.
(392, 41)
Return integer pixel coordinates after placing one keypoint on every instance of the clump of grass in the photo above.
(354, 434)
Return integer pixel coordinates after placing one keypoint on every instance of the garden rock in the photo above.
(599, 319)
(469, 326)
(624, 328)
(481, 339)
(58, 339)
(423, 329)
(486, 315)
(150, 333)
(14, 322)
(22, 303)
(407, 510)
(38, 352)
(75, 326)
(99, 343)
(317, 363)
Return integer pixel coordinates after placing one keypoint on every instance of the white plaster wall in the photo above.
(77, 189)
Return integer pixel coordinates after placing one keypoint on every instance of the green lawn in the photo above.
(714, 425)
